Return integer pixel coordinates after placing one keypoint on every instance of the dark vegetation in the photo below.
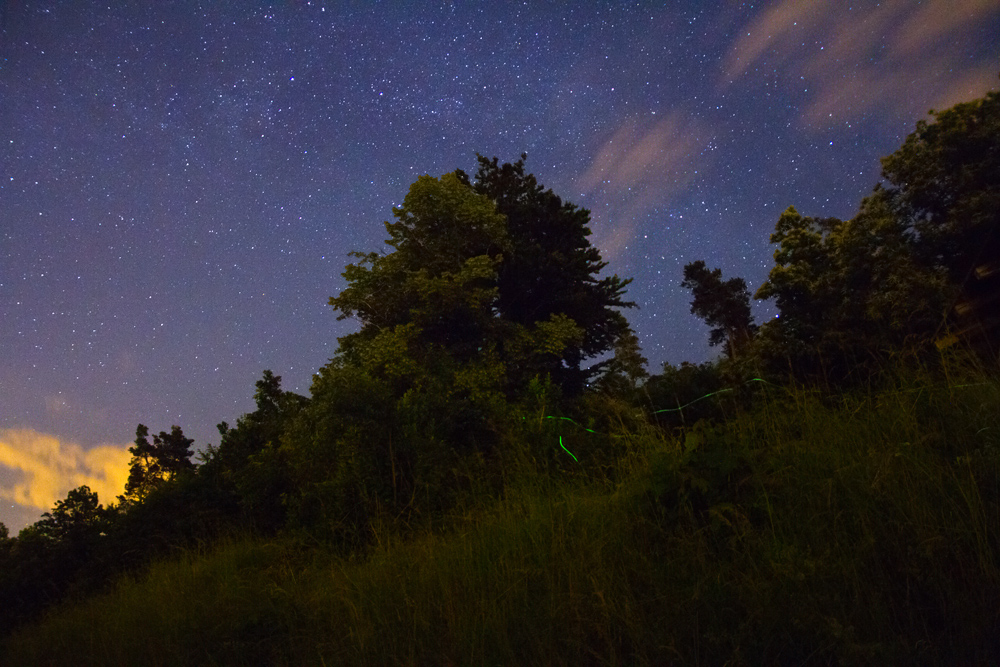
(464, 485)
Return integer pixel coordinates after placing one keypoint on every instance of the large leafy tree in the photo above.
(881, 296)
(803, 268)
(419, 388)
(847, 291)
(724, 305)
(552, 269)
(803, 285)
(946, 186)
(883, 281)
(438, 285)
(417, 402)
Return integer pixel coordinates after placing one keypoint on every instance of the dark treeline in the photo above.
(917, 269)
(482, 323)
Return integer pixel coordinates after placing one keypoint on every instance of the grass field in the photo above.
(810, 529)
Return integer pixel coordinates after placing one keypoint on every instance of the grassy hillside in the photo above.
(813, 529)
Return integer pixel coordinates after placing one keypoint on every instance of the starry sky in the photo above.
(181, 181)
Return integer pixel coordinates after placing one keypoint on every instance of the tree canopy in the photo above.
(885, 280)
(946, 186)
(849, 292)
(552, 269)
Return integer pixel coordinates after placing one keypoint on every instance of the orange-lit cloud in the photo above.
(643, 163)
(48, 468)
(897, 55)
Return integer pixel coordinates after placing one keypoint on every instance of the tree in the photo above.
(5, 542)
(440, 280)
(682, 395)
(552, 269)
(256, 430)
(418, 402)
(847, 292)
(416, 395)
(627, 369)
(882, 281)
(803, 285)
(79, 513)
(803, 267)
(155, 464)
(946, 191)
(724, 305)
(438, 293)
(946, 186)
(882, 297)
(247, 466)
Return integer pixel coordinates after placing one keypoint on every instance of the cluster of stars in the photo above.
(181, 184)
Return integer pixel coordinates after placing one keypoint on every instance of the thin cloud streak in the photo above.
(643, 164)
(49, 468)
(896, 56)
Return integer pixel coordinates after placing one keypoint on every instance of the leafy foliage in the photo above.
(847, 292)
(851, 293)
(625, 371)
(946, 186)
(441, 277)
(416, 395)
(552, 270)
(678, 393)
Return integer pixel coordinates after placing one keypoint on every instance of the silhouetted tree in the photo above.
(627, 369)
(945, 189)
(847, 292)
(247, 466)
(155, 463)
(724, 305)
(417, 392)
(79, 513)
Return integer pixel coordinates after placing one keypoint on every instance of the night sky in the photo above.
(181, 182)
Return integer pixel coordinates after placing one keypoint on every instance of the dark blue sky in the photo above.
(181, 182)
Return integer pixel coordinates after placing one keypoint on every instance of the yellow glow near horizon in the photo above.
(49, 468)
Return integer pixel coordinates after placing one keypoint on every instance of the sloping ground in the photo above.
(859, 529)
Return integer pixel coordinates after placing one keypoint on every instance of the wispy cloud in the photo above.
(643, 163)
(49, 468)
(900, 55)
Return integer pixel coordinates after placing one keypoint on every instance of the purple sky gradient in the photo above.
(181, 182)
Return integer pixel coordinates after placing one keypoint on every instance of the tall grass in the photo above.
(811, 529)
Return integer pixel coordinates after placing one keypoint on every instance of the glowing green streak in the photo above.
(567, 451)
(571, 422)
(590, 430)
(714, 393)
